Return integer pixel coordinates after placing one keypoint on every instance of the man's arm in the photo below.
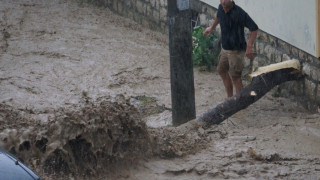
(210, 29)
(253, 28)
(252, 38)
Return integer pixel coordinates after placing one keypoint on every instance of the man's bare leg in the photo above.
(237, 83)
(227, 83)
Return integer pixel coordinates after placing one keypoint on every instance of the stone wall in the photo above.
(153, 14)
(150, 13)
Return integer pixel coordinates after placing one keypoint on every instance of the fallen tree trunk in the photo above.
(263, 80)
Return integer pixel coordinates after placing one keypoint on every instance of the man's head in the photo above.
(226, 4)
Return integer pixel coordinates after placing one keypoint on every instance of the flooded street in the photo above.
(84, 91)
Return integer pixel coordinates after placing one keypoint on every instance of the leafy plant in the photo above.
(202, 45)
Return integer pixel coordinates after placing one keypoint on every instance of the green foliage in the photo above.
(202, 45)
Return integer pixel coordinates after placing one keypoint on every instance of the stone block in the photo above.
(164, 26)
(120, 8)
(127, 4)
(217, 31)
(311, 71)
(211, 21)
(205, 9)
(310, 89)
(246, 34)
(196, 5)
(247, 63)
(306, 69)
(133, 4)
(315, 73)
(212, 12)
(156, 15)
(108, 2)
(285, 46)
(268, 51)
(278, 56)
(153, 3)
(273, 41)
(258, 62)
(295, 52)
(247, 69)
(166, 30)
(141, 7)
(303, 55)
(313, 60)
(163, 3)
(259, 47)
(216, 46)
(263, 37)
(256, 47)
(318, 95)
(163, 14)
(115, 5)
(203, 20)
(157, 4)
(286, 57)
(149, 11)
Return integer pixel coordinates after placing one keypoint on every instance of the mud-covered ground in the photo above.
(79, 84)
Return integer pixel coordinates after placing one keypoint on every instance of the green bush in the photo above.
(202, 47)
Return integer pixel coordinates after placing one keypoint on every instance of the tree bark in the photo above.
(260, 85)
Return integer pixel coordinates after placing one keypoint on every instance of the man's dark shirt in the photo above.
(232, 26)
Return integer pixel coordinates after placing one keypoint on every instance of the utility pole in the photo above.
(181, 65)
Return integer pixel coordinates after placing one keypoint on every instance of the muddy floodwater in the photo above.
(85, 94)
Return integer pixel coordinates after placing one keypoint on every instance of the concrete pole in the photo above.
(181, 65)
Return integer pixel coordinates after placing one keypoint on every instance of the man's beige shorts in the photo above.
(231, 61)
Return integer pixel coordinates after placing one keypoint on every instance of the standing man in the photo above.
(232, 21)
